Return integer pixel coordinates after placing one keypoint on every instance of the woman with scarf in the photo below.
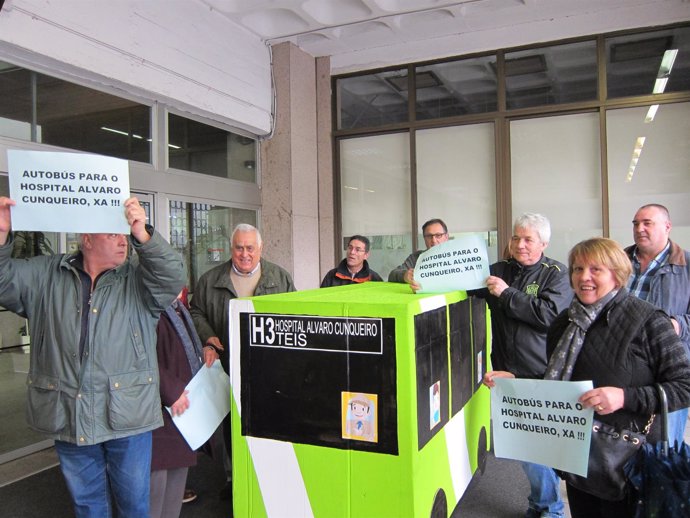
(621, 343)
(180, 356)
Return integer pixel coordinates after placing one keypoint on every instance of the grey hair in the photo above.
(536, 222)
(246, 227)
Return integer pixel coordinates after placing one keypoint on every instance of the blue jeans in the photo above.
(545, 491)
(119, 467)
(676, 426)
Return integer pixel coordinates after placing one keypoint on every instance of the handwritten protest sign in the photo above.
(459, 264)
(68, 192)
(541, 421)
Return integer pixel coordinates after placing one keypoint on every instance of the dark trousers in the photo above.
(584, 505)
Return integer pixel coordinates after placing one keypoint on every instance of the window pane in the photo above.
(652, 62)
(15, 102)
(72, 116)
(15, 344)
(372, 100)
(26, 243)
(555, 171)
(205, 149)
(456, 88)
(77, 117)
(456, 180)
(201, 233)
(551, 75)
(655, 172)
(375, 194)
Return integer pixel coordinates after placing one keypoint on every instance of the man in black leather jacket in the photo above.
(525, 293)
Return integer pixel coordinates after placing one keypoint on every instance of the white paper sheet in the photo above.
(209, 403)
(541, 421)
(459, 264)
(68, 192)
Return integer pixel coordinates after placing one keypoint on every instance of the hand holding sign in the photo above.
(136, 217)
(459, 264)
(408, 277)
(5, 218)
(541, 421)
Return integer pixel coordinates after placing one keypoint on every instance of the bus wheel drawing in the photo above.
(481, 450)
(440, 507)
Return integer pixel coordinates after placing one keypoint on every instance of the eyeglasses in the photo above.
(435, 236)
(357, 249)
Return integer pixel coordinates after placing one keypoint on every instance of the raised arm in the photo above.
(136, 218)
(5, 218)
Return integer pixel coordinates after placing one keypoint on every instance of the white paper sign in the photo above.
(458, 264)
(68, 192)
(541, 421)
(209, 403)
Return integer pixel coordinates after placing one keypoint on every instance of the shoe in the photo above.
(225, 494)
(189, 495)
(533, 513)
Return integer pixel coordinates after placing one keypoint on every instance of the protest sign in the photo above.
(541, 421)
(458, 264)
(68, 192)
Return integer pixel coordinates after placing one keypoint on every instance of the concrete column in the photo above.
(326, 173)
(296, 168)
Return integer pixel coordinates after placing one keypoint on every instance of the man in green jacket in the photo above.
(93, 379)
(246, 274)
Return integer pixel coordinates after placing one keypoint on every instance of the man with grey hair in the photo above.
(525, 293)
(246, 274)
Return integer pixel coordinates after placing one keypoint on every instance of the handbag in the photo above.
(609, 451)
(660, 475)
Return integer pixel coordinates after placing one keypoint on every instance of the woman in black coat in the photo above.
(179, 357)
(624, 345)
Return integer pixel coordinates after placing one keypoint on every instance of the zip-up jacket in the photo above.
(341, 276)
(212, 295)
(520, 317)
(111, 389)
(397, 274)
(669, 289)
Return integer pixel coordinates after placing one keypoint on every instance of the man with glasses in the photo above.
(246, 274)
(354, 269)
(435, 232)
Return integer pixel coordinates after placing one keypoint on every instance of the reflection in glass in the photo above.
(15, 102)
(661, 170)
(44, 109)
(555, 171)
(551, 75)
(375, 196)
(456, 88)
(455, 168)
(205, 149)
(201, 233)
(372, 100)
(15, 347)
(651, 62)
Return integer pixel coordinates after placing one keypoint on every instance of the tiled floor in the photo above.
(26, 466)
(14, 433)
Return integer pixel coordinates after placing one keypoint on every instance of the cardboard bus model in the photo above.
(357, 401)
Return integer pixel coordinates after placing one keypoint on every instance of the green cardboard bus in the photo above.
(361, 401)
